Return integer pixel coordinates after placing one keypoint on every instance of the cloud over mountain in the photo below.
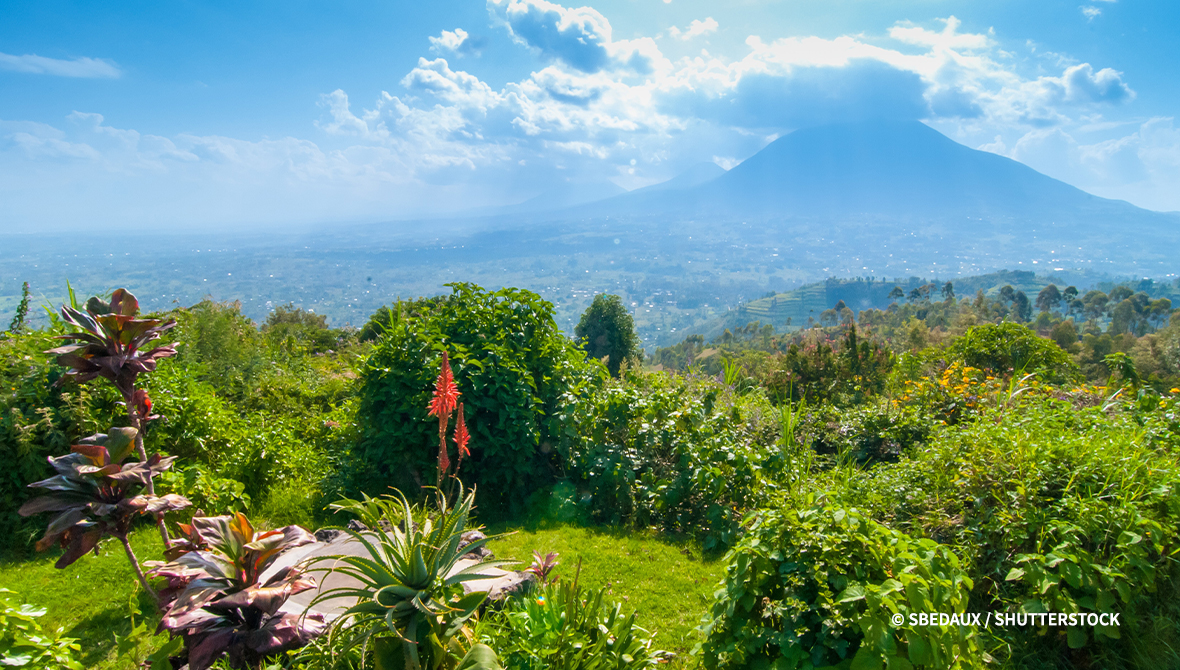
(594, 107)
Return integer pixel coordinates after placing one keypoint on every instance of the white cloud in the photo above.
(579, 37)
(1142, 166)
(1090, 12)
(1083, 84)
(948, 38)
(726, 162)
(603, 107)
(695, 29)
(457, 42)
(93, 68)
(448, 40)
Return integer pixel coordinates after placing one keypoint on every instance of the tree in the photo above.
(607, 330)
(1094, 304)
(1049, 298)
(948, 291)
(1021, 308)
(1065, 334)
(1120, 293)
(896, 294)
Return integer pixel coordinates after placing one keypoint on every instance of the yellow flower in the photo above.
(1174, 391)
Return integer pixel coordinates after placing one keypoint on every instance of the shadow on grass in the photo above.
(96, 633)
(685, 543)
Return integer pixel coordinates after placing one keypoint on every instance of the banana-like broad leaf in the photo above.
(220, 591)
(96, 494)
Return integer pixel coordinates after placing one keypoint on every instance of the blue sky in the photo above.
(185, 113)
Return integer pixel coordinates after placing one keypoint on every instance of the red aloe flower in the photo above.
(461, 436)
(446, 394)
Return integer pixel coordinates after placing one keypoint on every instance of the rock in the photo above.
(328, 534)
(472, 536)
(511, 584)
(353, 524)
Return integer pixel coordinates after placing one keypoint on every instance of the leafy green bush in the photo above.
(24, 645)
(38, 419)
(291, 503)
(845, 372)
(1056, 504)
(866, 434)
(564, 627)
(820, 586)
(519, 378)
(1010, 348)
(674, 453)
(206, 491)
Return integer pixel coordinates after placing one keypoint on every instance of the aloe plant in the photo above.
(110, 342)
(96, 495)
(219, 603)
(410, 608)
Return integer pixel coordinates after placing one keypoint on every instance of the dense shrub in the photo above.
(845, 372)
(1010, 348)
(865, 434)
(1057, 502)
(675, 453)
(518, 377)
(212, 495)
(818, 587)
(38, 419)
(236, 405)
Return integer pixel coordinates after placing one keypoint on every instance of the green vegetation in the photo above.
(819, 585)
(516, 375)
(607, 333)
(991, 454)
(410, 606)
(668, 581)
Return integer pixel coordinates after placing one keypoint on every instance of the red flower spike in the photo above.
(446, 394)
(461, 436)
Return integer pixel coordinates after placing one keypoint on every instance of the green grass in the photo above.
(668, 583)
(91, 599)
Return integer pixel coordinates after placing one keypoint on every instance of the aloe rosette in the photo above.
(409, 599)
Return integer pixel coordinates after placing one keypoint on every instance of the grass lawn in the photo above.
(668, 583)
(91, 599)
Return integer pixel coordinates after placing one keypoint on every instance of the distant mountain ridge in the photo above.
(877, 168)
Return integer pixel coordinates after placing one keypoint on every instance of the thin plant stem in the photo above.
(133, 417)
(138, 570)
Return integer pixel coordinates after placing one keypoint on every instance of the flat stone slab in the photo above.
(499, 581)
